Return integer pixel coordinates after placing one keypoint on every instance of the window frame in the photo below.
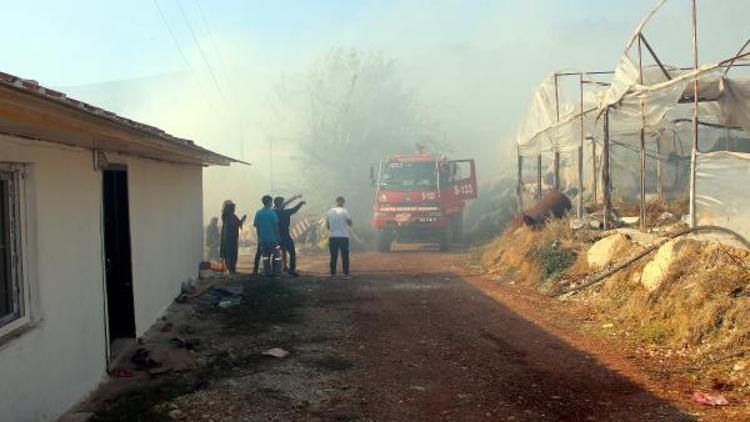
(17, 204)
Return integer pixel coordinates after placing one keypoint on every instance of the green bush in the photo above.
(553, 259)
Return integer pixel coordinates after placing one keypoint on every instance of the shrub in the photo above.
(553, 259)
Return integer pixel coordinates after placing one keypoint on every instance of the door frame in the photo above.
(105, 298)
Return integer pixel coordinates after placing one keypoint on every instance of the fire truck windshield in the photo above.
(405, 176)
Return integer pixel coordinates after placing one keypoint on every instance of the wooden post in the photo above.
(539, 177)
(642, 195)
(605, 171)
(694, 150)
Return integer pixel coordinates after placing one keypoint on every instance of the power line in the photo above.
(200, 50)
(184, 57)
(222, 73)
(211, 38)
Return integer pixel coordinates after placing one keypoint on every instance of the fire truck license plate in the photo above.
(403, 217)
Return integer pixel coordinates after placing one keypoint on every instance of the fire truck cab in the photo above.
(421, 198)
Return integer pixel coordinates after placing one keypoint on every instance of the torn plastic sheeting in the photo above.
(543, 128)
(734, 102)
(721, 191)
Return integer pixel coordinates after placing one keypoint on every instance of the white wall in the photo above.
(56, 363)
(50, 367)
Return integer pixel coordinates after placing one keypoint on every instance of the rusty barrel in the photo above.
(553, 205)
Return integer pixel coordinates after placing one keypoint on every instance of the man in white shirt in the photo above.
(338, 222)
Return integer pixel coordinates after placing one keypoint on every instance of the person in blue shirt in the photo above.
(267, 227)
(285, 220)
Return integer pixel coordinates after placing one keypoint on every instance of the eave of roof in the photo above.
(171, 147)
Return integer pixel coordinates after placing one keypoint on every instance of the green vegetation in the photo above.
(553, 260)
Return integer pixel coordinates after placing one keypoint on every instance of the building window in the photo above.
(13, 302)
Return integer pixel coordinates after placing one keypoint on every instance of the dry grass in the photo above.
(531, 257)
(654, 208)
(703, 306)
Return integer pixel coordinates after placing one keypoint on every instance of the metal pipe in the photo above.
(539, 177)
(557, 152)
(656, 58)
(594, 173)
(579, 209)
(729, 66)
(605, 171)
(659, 182)
(694, 151)
(642, 152)
(519, 175)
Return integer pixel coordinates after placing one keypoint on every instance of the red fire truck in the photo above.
(421, 198)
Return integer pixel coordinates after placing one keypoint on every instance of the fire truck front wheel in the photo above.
(457, 229)
(385, 239)
(445, 240)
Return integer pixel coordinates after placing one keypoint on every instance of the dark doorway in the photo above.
(117, 265)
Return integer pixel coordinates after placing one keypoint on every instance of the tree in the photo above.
(347, 112)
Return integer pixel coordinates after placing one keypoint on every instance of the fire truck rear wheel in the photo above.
(385, 239)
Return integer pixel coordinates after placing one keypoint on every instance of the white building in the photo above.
(100, 223)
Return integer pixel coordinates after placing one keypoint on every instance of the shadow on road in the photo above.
(433, 346)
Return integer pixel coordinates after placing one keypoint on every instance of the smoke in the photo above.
(458, 75)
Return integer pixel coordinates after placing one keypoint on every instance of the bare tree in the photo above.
(348, 111)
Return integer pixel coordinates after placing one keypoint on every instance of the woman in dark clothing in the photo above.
(230, 234)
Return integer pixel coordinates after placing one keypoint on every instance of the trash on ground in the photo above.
(708, 399)
(142, 359)
(121, 373)
(192, 293)
(213, 296)
(667, 216)
(186, 343)
(629, 220)
(586, 223)
(174, 360)
(176, 414)
(226, 304)
(276, 352)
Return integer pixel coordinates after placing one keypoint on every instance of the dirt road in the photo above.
(415, 337)
(433, 344)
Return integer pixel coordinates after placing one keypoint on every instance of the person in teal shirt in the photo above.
(267, 227)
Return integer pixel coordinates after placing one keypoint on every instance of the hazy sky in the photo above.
(84, 41)
(473, 64)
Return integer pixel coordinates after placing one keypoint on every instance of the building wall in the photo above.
(55, 363)
(51, 366)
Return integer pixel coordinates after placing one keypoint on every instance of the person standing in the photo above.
(338, 222)
(267, 226)
(259, 251)
(230, 234)
(285, 219)
(213, 239)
